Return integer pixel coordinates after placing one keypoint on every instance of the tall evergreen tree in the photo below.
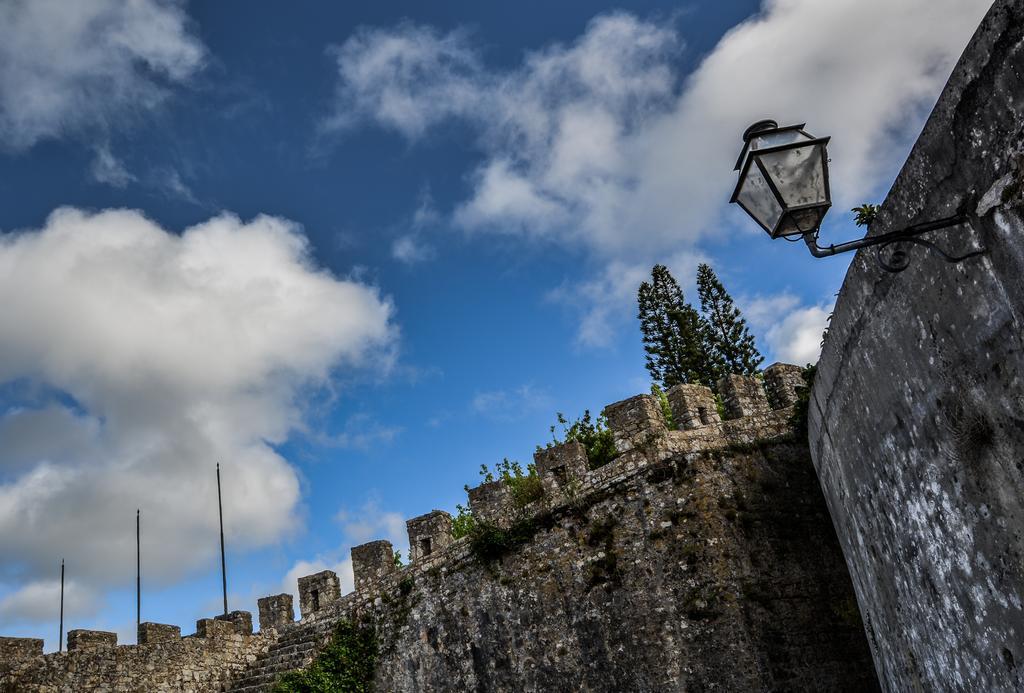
(672, 332)
(727, 333)
(704, 366)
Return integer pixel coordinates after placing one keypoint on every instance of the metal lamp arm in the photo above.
(899, 259)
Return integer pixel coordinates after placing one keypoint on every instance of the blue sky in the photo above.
(352, 253)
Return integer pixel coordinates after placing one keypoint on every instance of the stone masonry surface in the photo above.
(276, 611)
(917, 415)
(317, 591)
(698, 560)
(429, 533)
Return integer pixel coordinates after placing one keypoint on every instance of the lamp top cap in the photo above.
(758, 127)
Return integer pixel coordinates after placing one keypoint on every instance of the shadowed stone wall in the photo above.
(917, 415)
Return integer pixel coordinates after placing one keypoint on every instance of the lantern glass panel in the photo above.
(758, 199)
(799, 175)
(774, 138)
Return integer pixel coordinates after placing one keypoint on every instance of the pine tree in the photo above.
(727, 333)
(672, 332)
(704, 366)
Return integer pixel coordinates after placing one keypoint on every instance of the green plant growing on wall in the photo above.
(398, 558)
(346, 664)
(866, 214)
(525, 487)
(803, 403)
(666, 409)
(594, 435)
(490, 543)
(463, 522)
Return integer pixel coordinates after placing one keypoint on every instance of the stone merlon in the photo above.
(89, 640)
(429, 534)
(151, 633)
(491, 503)
(693, 406)
(275, 611)
(781, 381)
(635, 422)
(241, 619)
(17, 651)
(372, 561)
(742, 396)
(317, 591)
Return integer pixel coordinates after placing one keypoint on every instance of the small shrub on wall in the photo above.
(347, 664)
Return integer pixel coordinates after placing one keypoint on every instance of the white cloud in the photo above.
(408, 79)
(157, 355)
(360, 432)
(107, 168)
(509, 405)
(40, 601)
(601, 144)
(797, 338)
(170, 182)
(67, 67)
(791, 331)
(410, 250)
(370, 523)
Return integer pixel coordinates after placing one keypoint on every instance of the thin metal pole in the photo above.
(138, 570)
(60, 638)
(223, 562)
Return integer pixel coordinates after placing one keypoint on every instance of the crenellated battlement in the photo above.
(754, 409)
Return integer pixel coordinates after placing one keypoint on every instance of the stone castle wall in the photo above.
(917, 418)
(699, 558)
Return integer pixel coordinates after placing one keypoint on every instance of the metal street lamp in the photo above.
(784, 185)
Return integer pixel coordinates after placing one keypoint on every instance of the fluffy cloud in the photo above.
(797, 337)
(792, 331)
(66, 66)
(602, 144)
(133, 359)
(36, 601)
(554, 130)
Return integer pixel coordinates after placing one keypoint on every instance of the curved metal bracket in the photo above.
(898, 258)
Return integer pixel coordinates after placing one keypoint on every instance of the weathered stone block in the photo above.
(491, 503)
(781, 381)
(635, 422)
(372, 561)
(150, 633)
(565, 461)
(742, 395)
(213, 628)
(276, 611)
(562, 468)
(317, 591)
(241, 619)
(429, 534)
(16, 651)
(89, 640)
(693, 406)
